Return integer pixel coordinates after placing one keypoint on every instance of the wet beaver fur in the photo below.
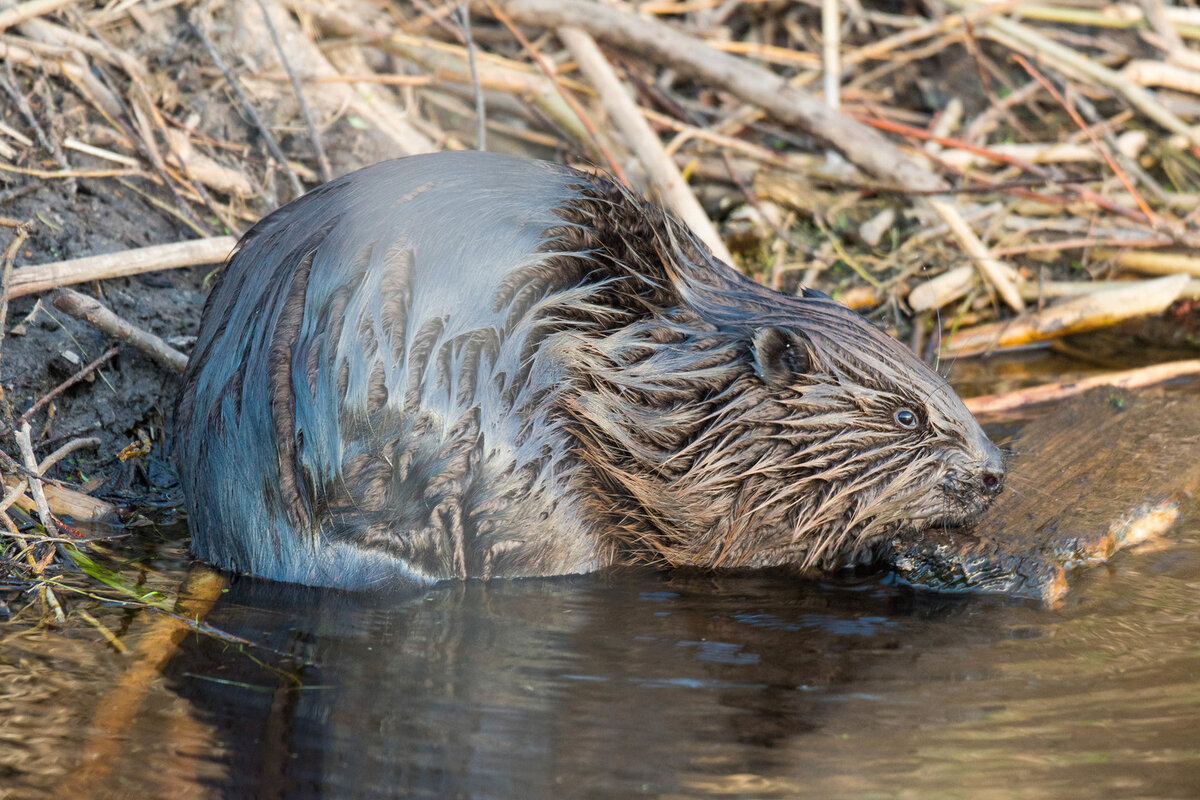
(472, 365)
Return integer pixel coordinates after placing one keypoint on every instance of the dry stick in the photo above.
(134, 107)
(1153, 263)
(437, 18)
(50, 174)
(661, 43)
(790, 105)
(613, 163)
(948, 141)
(63, 502)
(58, 455)
(993, 270)
(1128, 163)
(1070, 109)
(35, 484)
(1156, 15)
(142, 106)
(1082, 243)
(378, 110)
(1021, 37)
(995, 404)
(248, 107)
(28, 280)
(9, 83)
(313, 135)
(1097, 310)
(198, 169)
(660, 167)
(87, 308)
(831, 37)
(29, 10)
(464, 18)
(1046, 290)
(67, 384)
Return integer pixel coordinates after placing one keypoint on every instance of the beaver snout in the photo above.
(992, 471)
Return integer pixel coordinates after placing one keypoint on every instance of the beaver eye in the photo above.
(905, 418)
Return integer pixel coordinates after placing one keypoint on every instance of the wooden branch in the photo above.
(1153, 263)
(994, 271)
(29, 10)
(996, 404)
(90, 309)
(28, 280)
(1097, 310)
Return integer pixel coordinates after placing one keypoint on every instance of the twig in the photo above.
(28, 280)
(82, 443)
(995, 404)
(464, 20)
(35, 484)
(1021, 37)
(1097, 310)
(1153, 263)
(994, 271)
(661, 169)
(63, 501)
(29, 10)
(10, 86)
(71, 174)
(831, 42)
(947, 141)
(88, 308)
(248, 107)
(1070, 109)
(1127, 161)
(569, 98)
(313, 135)
(861, 145)
(67, 384)
(665, 45)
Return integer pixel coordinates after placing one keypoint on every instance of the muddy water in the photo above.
(624, 684)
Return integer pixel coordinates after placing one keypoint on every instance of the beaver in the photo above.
(473, 365)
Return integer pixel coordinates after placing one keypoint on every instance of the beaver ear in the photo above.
(780, 356)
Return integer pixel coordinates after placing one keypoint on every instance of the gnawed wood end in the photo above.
(1103, 471)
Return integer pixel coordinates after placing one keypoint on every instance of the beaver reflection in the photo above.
(472, 365)
(599, 686)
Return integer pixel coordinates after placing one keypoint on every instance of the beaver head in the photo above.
(724, 424)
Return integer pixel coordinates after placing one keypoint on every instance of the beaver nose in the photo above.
(991, 475)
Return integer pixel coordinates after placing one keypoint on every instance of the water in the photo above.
(632, 683)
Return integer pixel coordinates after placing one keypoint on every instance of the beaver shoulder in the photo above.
(466, 364)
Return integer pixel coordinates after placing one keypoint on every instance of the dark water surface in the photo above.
(633, 684)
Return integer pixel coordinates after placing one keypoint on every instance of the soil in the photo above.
(130, 398)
